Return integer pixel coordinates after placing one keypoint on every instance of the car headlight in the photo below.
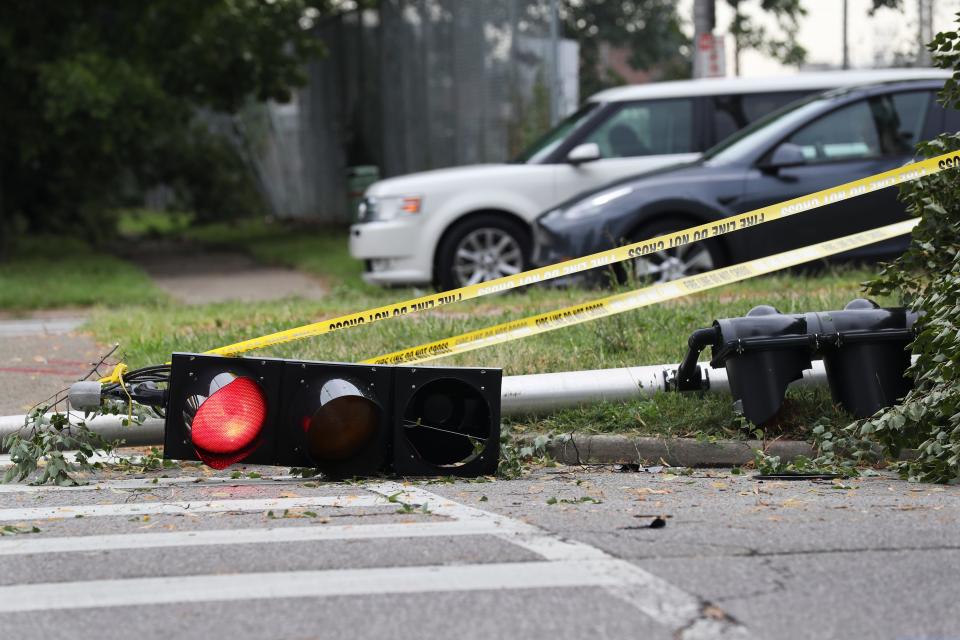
(366, 209)
(588, 207)
(387, 207)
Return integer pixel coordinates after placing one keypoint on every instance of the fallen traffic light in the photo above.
(863, 348)
(342, 419)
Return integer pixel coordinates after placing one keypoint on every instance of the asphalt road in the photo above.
(563, 553)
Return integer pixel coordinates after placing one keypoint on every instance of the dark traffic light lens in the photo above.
(346, 422)
(447, 421)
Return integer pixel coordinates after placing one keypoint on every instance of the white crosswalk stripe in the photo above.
(564, 563)
(219, 537)
(185, 507)
(146, 483)
(299, 584)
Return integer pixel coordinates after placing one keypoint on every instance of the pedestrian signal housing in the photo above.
(863, 347)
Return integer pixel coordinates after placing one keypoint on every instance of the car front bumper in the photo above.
(391, 252)
(551, 246)
(555, 243)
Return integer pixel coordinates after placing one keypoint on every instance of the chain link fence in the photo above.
(413, 85)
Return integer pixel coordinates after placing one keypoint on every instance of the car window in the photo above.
(757, 105)
(899, 120)
(553, 138)
(847, 133)
(882, 125)
(645, 129)
(733, 112)
(728, 116)
(747, 139)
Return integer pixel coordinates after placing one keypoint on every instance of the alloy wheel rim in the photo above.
(485, 254)
(671, 264)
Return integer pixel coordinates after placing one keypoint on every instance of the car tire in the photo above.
(671, 264)
(482, 247)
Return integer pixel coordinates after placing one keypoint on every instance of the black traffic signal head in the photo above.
(446, 425)
(868, 357)
(863, 347)
(342, 419)
(763, 353)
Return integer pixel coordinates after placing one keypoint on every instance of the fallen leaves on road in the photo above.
(644, 491)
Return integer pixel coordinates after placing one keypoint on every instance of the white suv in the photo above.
(464, 225)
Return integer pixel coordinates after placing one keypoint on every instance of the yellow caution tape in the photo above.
(630, 300)
(604, 258)
(116, 375)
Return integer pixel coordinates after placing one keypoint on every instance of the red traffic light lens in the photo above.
(227, 425)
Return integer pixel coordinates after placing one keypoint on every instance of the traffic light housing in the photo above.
(219, 410)
(863, 347)
(335, 418)
(445, 425)
(343, 419)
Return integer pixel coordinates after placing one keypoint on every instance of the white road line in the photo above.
(666, 604)
(148, 483)
(567, 563)
(186, 507)
(23, 545)
(303, 584)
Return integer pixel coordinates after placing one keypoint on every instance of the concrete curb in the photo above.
(678, 452)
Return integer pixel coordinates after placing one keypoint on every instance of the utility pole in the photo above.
(704, 21)
(554, 62)
(924, 31)
(846, 51)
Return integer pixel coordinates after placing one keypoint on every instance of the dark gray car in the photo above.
(812, 144)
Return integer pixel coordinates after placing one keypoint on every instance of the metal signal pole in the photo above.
(704, 21)
(846, 51)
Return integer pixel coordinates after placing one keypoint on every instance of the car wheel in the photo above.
(678, 262)
(482, 248)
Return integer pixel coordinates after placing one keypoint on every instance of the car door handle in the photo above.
(725, 200)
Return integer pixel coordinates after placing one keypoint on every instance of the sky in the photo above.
(821, 32)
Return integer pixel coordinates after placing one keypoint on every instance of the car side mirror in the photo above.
(786, 155)
(586, 152)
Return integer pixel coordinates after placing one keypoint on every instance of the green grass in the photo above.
(672, 415)
(47, 272)
(647, 336)
(140, 223)
(51, 272)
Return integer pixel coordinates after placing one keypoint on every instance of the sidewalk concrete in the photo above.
(39, 357)
(196, 276)
(43, 353)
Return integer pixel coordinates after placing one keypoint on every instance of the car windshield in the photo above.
(744, 141)
(552, 139)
